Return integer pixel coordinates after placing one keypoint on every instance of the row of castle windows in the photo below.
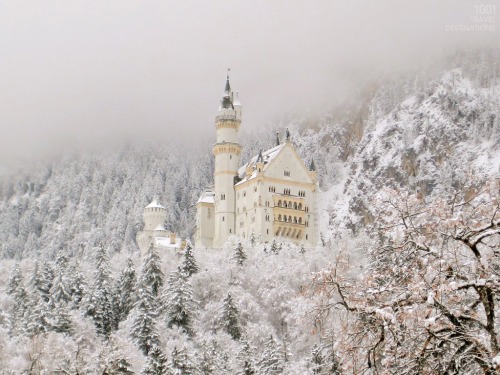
(293, 220)
(286, 173)
(295, 205)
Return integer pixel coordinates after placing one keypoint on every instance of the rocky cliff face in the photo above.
(444, 137)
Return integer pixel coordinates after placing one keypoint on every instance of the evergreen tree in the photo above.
(77, 286)
(189, 266)
(45, 281)
(60, 291)
(156, 362)
(302, 249)
(245, 359)
(20, 310)
(15, 280)
(39, 317)
(206, 360)
(274, 247)
(178, 301)
(144, 327)
(180, 363)
(252, 239)
(239, 255)
(272, 361)
(60, 320)
(120, 366)
(100, 303)
(151, 274)
(229, 317)
(126, 290)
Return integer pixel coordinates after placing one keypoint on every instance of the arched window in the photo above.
(300, 206)
(279, 217)
(289, 219)
(295, 205)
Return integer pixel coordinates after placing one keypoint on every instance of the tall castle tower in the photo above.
(227, 159)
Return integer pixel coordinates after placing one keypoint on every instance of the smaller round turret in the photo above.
(154, 215)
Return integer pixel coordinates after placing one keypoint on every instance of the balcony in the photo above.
(225, 118)
(290, 230)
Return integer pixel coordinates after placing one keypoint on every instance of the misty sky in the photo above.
(76, 74)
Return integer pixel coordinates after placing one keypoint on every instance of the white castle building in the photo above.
(272, 196)
(154, 232)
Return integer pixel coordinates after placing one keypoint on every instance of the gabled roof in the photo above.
(267, 157)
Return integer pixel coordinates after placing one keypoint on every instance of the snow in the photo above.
(160, 228)
(267, 155)
(207, 196)
(165, 242)
(155, 204)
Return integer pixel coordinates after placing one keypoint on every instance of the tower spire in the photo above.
(227, 99)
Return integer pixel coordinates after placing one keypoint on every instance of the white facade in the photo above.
(271, 196)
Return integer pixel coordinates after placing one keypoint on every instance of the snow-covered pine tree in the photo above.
(101, 301)
(180, 363)
(229, 317)
(126, 290)
(77, 286)
(253, 240)
(39, 317)
(206, 358)
(151, 273)
(178, 302)
(239, 256)
(272, 361)
(119, 366)
(189, 265)
(60, 320)
(20, 310)
(60, 291)
(46, 278)
(15, 279)
(274, 247)
(144, 327)
(156, 363)
(245, 359)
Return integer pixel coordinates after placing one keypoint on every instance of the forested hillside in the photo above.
(405, 279)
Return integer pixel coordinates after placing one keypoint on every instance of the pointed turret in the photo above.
(260, 159)
(312, 166)
(227, 99)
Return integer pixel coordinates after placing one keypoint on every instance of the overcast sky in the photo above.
(74, 74)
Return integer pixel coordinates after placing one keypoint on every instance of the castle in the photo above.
(154, 232)
(272, 196)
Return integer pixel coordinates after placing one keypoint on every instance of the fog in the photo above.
(87, 74)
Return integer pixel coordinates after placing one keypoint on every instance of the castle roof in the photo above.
(160, 227)
(155, 204)
(208, 196)
(266, 156)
